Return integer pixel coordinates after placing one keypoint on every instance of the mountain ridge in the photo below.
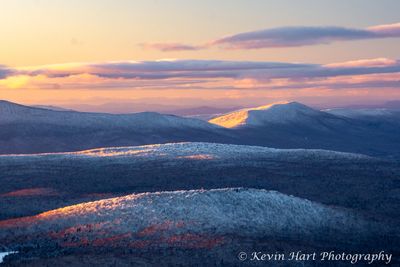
(280, 113)
(26, 129)
(280, 125)
(12, 112)
(159, 215)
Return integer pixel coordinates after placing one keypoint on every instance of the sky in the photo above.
(194, 53)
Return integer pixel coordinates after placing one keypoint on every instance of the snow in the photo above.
(50, 107)
(246, 212)
(354, 113)
(212, 150)
(4, 254)
(12, 113)
(282, 112)
(199, 151)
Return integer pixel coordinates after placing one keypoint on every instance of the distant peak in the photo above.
(278, 112)
(270, 105)
(281, 104)
(294, 103)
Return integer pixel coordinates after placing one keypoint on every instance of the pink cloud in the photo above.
(288, 37)
(387, 30)
(207, 74)
(376, 62)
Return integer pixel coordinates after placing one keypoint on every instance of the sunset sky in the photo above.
(194, 53)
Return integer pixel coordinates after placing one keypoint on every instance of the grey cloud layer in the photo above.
(293, 36)
(148, 70)
(178, 74)
(289, 37)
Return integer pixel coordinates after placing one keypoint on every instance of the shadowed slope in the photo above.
(197, 226)
(363, 183)
(33, 130)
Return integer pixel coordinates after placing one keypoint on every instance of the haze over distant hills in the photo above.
(282, 125)
(185, 109)
(189, 107)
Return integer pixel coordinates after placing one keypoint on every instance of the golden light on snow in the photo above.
(238, 118)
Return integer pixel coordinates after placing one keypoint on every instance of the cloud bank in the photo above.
(208, 69)
(289, 37)
(205, 74)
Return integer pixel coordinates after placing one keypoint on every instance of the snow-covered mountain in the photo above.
(326, 199)
(55, 178)
(286, 125)
(204, 151)
(26, 129)
(280, 113)
(15, 113)
(376, 113)
(294, 125)
(157, 219)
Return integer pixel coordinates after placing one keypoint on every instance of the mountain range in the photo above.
(194, 204)
(294, 125)
(40, 182)
(206, 191)
(373, 132)
(196, 221)
(26, 129)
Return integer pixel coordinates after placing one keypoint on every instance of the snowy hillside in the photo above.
(54, 179)
(50, 107)
(26, 129)
(359, 113)
(287, 125)
(202, 151)
(15, 113)
(281, 113)
(169, 217)
(294, 125)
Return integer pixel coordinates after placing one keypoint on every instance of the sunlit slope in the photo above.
(282, 112)
(284, 125)
(193, 150)
(189, 228)
(294, 125)
(187, 218)
(40, 182)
